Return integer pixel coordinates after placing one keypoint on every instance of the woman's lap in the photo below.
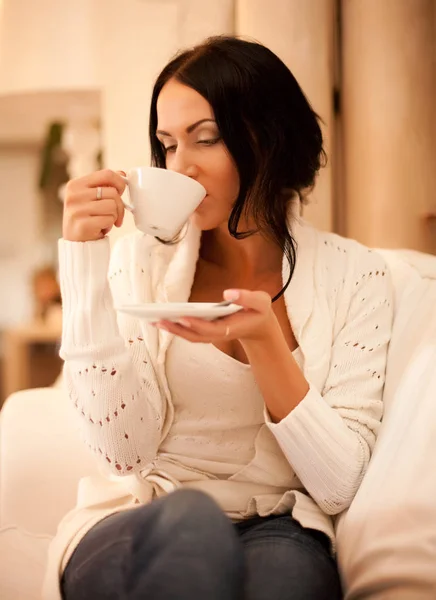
(283, 560)
(175, 548)
(185, 542)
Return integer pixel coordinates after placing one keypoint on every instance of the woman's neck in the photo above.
(254, 255)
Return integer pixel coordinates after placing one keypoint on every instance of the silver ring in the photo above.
(227, 331)
(99, 192)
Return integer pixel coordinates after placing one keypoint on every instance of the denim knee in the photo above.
(191, 508)
(194, 538)
(180, 546)
(191, 515)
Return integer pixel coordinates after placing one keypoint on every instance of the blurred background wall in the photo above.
(75, 85)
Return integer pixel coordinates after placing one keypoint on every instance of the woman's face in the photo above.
(192, 143)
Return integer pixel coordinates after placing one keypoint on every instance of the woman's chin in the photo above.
(202, 222)
(206, 219)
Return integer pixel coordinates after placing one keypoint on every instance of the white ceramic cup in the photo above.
(162, 201)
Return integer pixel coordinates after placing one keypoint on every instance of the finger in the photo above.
(93, 228)
(180, 331)
(121, 206)
(104, 178)
(102, 224)
(120, 210)
(257, 300)
(103, 207)
(84, 197)
(205, 329)
(110, 193)
(107, 193)
(90, 195)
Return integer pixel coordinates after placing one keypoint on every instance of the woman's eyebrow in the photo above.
(189, 129)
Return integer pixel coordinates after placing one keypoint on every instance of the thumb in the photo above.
(258, 301)
(231, 295)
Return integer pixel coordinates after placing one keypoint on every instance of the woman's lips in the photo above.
(202, 202)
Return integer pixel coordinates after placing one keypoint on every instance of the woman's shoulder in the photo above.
(346, 255)
(346, 271)
(352, 277)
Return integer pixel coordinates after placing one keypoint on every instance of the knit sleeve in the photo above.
(119, 408)
(328, 438)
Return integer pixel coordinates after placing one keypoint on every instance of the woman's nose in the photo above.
(184, 165)
(192, 171)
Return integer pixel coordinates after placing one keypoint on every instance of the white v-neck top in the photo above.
(216, 433)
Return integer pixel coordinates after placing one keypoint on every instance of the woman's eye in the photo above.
(173, 148)
(209, 142)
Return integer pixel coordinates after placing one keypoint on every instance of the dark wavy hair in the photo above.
(265, 121)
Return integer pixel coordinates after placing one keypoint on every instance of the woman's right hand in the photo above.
(86, 218)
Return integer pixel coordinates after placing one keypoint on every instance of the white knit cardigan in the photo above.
(339, 303)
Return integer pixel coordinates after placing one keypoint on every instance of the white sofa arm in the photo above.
(387, 539)
(41, 460)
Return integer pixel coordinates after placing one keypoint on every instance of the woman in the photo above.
(263, 421)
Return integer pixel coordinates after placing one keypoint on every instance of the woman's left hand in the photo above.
(255, 322)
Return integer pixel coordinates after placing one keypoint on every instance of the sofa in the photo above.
(386, 539)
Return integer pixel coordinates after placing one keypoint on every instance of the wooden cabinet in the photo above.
(30, 357)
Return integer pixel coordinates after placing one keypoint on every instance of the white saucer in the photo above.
(173, 311)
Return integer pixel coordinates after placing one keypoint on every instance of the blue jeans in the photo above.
(183, 547)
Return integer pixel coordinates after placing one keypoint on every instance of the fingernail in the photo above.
(185, 323)
(231, 295)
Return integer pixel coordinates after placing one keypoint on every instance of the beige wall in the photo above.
(389, 121)
(47, 44)
(301, 34)
(19, 230)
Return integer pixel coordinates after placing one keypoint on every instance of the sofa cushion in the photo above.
(22, 564)
(41, 460)
(387, 539)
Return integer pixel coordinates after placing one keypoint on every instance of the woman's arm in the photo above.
(120, 411)
(276, 370)
(328, 437)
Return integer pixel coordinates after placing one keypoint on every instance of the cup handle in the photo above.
(128, 206)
